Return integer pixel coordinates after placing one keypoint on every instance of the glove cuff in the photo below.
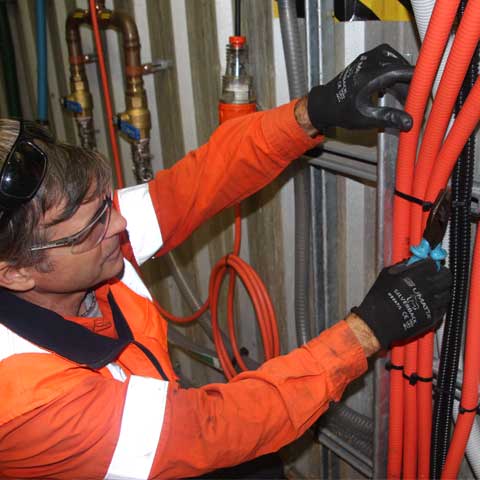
(316, 108)
(383, 340)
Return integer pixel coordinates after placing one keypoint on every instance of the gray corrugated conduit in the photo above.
(297, 83)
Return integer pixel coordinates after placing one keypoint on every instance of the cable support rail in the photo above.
(360, 152)
(356, 167)
(346, 452)
(347, 167)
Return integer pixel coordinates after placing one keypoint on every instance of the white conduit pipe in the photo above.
(422, 10)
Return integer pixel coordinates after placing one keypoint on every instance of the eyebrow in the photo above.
(59, 221)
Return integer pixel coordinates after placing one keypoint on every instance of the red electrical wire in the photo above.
(431, 52)
(106, 96)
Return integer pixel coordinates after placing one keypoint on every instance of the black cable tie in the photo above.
(469, 410)
(459, 203)
(426, 206)
(414, 378)
(474, 217)
(390, 366)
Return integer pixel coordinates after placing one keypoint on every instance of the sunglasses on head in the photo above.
(24, 168)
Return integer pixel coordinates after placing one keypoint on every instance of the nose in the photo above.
(117, 223)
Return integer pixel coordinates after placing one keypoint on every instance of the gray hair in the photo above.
(75, 175)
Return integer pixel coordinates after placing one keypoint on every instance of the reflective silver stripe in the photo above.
(12, 344)
(133, 281)
(142, 422)
(117, 372)
(142, 224)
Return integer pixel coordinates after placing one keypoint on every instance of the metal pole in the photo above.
(387, 148)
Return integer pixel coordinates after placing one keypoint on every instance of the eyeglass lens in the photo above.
(95, 235)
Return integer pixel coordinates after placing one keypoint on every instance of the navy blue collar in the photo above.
(68, 339)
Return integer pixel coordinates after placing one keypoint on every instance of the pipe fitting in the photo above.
(79, 102)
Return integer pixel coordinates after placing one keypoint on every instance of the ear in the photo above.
(16, 279)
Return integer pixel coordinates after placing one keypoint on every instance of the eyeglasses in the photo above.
(89, 236)
(24, 168)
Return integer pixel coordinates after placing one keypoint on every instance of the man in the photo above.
(88, 390)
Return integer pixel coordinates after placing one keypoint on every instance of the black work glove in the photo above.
(406, 300)
(346, 101)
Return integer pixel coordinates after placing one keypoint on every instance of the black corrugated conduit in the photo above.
(460, 240)
(297, 83)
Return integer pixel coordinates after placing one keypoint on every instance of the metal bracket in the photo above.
(90, 58)
(157, 66)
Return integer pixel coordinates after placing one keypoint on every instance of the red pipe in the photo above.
(106, 96)
(433, 46)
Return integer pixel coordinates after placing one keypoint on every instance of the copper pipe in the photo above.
(137, 114)
(80, 97)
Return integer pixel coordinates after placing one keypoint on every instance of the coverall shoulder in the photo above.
(97, 397)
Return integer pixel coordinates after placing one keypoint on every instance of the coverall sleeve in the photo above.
(242, 156)
(76, 435)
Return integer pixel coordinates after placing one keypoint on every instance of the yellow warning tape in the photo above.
(388, 10)
(276, 13)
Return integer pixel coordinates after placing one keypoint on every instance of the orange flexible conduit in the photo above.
(430, 55)
(471, 375)
(231, 263)
(466, 40)
(463, 127)
(461, 53)
(106, 97)
(462, 50)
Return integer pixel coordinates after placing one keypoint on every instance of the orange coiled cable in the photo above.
(262, 304)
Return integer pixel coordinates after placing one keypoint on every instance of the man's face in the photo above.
(70, 272)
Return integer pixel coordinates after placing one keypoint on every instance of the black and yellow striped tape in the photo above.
(386, 10)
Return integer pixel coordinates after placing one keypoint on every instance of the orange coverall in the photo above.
(97, 397)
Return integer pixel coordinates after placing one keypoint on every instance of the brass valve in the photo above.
(79, 102)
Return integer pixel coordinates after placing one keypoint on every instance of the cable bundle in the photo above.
(423, 178)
